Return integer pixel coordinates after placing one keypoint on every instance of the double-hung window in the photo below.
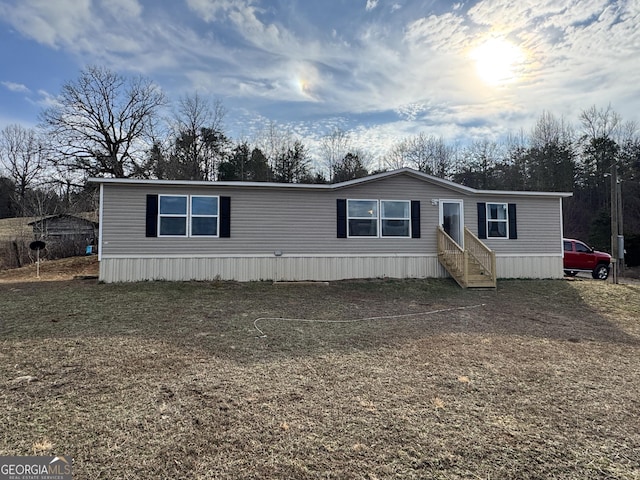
(204, 216)
(497, 220)
(188, 216)
(362, 218)
(395, 218)
(379, 218)
(172, 215)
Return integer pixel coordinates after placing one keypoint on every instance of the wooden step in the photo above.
(477, 277)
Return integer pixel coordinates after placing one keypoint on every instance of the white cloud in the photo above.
(112, 33)
(258, 33)
(535, 15)
(575, 55)
(80, 26)
(209, 10)
(268, 39)
(45, 99)
(16, 87)
(439, 32)
(50, 23)
(578, 50)
(411, 110)
(248, 51)
(122, 8)
(587, 61)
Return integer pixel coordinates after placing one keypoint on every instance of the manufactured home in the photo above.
(399, 224)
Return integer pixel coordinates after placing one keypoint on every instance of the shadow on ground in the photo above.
(220, 317)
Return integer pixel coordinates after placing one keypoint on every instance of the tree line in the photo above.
(108, 125)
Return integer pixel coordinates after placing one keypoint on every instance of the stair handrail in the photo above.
(454, 254)
(481, 253)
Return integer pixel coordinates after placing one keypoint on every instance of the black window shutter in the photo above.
(513, 222)
(152, 216)
(482, 220)
(415, 218)
(341, 216)
(225, 217)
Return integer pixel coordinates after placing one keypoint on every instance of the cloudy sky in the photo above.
(381, 69)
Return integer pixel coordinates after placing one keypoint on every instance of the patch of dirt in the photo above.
(632, 272)
(53, 270)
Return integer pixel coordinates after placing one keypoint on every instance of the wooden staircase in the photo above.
(472, 267)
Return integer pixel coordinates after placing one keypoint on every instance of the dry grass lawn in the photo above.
(173, 380)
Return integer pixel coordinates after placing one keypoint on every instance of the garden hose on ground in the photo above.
(366, 319)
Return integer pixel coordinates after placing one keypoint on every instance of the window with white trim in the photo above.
(172, 215)
(204, 216)
(395, 218)
(362, 218)
(497, 220)
(379, 218)
(188, 216)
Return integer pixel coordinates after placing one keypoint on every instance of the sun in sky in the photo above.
(498, 61)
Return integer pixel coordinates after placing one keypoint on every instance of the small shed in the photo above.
(65, 227)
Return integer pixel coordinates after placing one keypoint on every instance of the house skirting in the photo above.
(529, 266)
(308, 267)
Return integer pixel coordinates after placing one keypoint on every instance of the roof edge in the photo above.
(142, 181)
(332, 186)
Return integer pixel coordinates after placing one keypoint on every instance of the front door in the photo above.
(452, 219)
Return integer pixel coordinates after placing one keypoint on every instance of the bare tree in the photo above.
(478, 164)
(551, 130)
(333, 148)
(425, 153)
(600, 123)
(200, 143)
(550, 159)
(22, 155)
(273, 140)
(365, 156)
(513, 169)
(100, 123)
(600, 142)
(396, 157)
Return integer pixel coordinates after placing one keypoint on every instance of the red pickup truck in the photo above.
(579, 257)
